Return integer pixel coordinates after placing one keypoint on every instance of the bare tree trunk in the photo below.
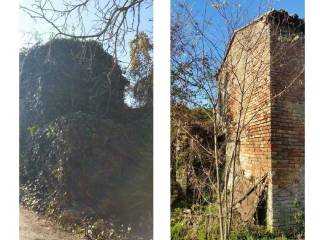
(221, 221)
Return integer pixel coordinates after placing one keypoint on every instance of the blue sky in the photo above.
(217, 31)
(213, 17)
(292, 6)
(28, 24)
(251, 6)
(44, 30)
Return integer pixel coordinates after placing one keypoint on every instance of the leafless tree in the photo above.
(109, 22)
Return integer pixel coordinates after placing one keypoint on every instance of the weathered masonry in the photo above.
(262, 94)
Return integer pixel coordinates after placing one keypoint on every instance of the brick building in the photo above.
(261, 85)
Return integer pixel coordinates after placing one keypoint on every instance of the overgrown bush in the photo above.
(90, 165)
(191, 133)
(85, 158)
(65, 76)
(177, 231)
(201, 223)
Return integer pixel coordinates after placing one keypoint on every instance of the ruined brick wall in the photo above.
(264, 70)
(287, 125)
(247, 69)
(181, 159)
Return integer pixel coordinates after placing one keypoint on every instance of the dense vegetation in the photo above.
(194, 207)
(85, 157)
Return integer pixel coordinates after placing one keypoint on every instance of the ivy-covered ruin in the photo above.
(85, 156)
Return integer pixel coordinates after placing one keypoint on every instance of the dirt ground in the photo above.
(34, 227)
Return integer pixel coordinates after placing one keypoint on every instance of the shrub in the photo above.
(298, 218)
(201, 223)
(66, 76)
(178, 231)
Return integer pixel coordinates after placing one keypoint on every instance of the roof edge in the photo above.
(259, 18)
